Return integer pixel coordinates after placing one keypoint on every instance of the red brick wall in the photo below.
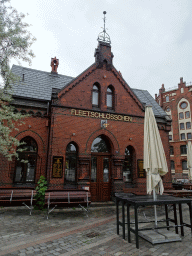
(79, 93)
(37, 129)
(173, 103)
(66, 127)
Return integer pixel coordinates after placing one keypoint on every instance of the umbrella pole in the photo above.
(155, 207)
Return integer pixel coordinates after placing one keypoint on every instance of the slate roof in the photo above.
(145, 98)
(38, 85)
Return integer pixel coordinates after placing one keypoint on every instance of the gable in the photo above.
(78, 93)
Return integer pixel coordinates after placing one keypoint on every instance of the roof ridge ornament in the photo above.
(103, 36)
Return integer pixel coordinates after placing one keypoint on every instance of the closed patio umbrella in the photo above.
(155, 163)
(189, 159)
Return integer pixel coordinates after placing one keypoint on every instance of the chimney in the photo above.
(54, 65)
(181, 84)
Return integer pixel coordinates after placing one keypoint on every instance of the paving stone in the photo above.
(29, 252)
(36, 250)
(17, 222)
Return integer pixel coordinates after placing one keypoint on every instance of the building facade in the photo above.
(177, 103)
(84, 132)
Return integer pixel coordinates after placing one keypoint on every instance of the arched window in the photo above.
(110, 96)
(26, 164)
(167, 98)
(71, 164)
(95, 95)
(127, 165)
(100, 145)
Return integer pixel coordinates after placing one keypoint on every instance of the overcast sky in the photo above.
(151, 39)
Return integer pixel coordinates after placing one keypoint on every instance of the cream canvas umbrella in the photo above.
(155, 163)
(189, 159)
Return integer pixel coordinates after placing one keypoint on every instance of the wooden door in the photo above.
(100, 178)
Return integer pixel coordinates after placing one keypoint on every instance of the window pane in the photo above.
(188, 136)
(182, 127)
(19, 172)
(187, 114)
(181, 116)
(106, 170)
(109, 90)
(183, 150)
(93, 169)
(70, 168)
(167, 98)
(25, 172)
(95, 88)
(99, 145)
(182, 136)
(183, 105)
(29, 144)
(127, 152)
(171, 150)
(71, 148)
(31, 169)
(188, 125)
(127, 166)
(95, 98)
(170, 137)
(184, 165)
(172, 165)
(109, 100)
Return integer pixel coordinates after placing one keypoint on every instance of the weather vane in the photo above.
(103, 36)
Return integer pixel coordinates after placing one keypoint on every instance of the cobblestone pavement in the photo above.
(71, 232)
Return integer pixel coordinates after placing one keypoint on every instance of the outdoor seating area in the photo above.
(17, 197)
(69, 198)
(61, 198)
(179, 193)
(129, 201)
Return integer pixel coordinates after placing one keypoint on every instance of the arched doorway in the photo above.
(26, 164)
(100, 169)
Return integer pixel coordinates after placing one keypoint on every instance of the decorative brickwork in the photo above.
(69, 118)
(181, 116)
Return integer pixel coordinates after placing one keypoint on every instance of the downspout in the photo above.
(48, 138)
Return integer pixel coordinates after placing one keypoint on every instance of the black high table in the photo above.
(136, 201)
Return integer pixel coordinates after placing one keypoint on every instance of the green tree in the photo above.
(15, 43)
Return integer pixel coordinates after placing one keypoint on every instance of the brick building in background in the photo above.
(177, 103)
(84, 132)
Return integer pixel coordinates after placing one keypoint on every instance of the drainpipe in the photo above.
(48, 138)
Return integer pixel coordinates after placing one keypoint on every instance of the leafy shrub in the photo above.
(40, 196)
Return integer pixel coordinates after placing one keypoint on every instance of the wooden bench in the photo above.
(179, 193)
(17, 197)
(67, 198)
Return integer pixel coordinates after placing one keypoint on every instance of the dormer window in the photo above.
(95, 96)
(110, 96)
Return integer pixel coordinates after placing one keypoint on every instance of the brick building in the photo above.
(177, 103)
(83, 132)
